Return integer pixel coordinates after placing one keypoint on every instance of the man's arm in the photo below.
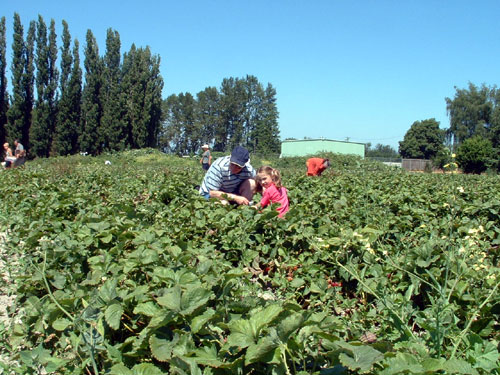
(229, 196)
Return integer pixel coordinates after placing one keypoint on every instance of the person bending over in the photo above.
(230, 178)
(316, 166)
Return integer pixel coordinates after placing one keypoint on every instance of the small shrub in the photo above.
(475, 155)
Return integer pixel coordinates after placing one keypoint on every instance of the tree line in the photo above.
(241, 112)
(53, 112)
(115, 102)
(473, 136)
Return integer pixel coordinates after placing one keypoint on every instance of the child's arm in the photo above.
(266, 199)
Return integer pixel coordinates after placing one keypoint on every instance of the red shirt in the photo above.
(274, 195)
(315, 166)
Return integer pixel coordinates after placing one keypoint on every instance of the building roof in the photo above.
(319, 139)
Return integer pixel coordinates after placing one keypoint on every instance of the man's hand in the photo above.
(229, 196)
(240, 200)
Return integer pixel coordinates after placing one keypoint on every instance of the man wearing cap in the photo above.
(230, 178)
(206, 158)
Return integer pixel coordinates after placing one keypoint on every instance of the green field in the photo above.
(125, 269)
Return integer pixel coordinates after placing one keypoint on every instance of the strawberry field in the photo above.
(124, 269)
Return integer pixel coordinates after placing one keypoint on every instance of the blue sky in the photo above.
(342, 69)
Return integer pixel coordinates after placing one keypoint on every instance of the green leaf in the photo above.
(162, 347)
(199, 321)
(403, 363)
(54, 363)
(433, 364)
(243, 333)
(120, 369)
(147, 308)
(458, 366)
(58, 281)
(185, 278)
(171, 299)
(187, 302)
(261, 351)
(61, 324)
(207, 356)
(106, 238)
(108, 290)
(194, 298)
(146, 369)
(289, 325)
(113, 315)
(485, 355)
(297, 282)
(361, 357)
(114, 353)
(265, 316)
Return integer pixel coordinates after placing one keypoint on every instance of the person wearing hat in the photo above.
(230, 178)
(206, 157)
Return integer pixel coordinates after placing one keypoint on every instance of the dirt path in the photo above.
(7, 297)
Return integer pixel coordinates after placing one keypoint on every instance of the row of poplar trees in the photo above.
(119, 106)
(52, 112)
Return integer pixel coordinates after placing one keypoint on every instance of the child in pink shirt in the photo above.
(270, 180)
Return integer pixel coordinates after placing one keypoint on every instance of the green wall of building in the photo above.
(314, 146)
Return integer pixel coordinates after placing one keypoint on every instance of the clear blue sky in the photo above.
(363, 70)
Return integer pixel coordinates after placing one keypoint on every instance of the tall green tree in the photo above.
(495, 119)
(423, 140)
(19, 114)
(60, 144)
(141, 88)
(69, 106)
(243, 112)
(4, 100)
(112, 132)
(380, 151)
(208, 109)
(29, 84)
(469, 113)
(169, 134)
(254, 98)
(233, 103)
(91, 99)
(15, 113)
(152, 98)
(42, 129)
(182, 134)
(66, 57)
(266, 137)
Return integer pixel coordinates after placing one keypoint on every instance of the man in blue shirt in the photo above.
(230, 178)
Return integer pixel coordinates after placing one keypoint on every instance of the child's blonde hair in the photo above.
(273, 173)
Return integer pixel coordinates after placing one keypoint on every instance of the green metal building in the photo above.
(304, 147)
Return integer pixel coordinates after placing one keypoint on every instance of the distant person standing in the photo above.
(316, 166)
(206, 157)
(20, 153)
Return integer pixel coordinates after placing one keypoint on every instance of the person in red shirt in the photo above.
(316, 166)
(269, 179)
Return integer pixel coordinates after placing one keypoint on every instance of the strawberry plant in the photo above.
(123, 268)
